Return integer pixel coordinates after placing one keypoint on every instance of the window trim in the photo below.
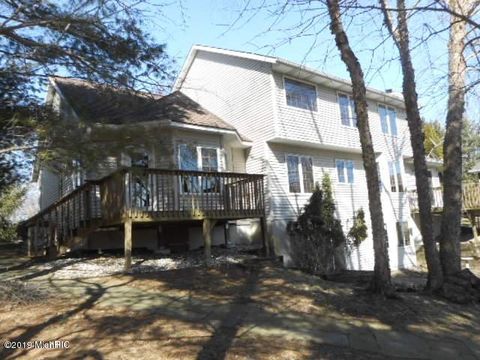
(396, 175)
(345, 171)
(306, 83)
(77, 175)
(300, 173)
(200, 158)
(389, 129)
(198, 149)
(351, 111)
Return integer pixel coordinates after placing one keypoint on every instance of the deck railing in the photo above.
(470, 197)
(145, 194)
(180, 194)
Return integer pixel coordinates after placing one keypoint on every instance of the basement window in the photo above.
(403, 233)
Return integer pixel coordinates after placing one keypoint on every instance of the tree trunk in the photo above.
(402, 41)
(452, 146)
(381, 282)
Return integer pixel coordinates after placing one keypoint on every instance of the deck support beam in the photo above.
(473, 221)
(128, 244)
(265, 240)
(208, 225)
(30, 234)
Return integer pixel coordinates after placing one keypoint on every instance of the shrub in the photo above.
(358, 231)
(10, 200)
(317, 234)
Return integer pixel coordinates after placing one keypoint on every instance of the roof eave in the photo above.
(337, 83)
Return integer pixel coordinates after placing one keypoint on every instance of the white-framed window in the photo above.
(141, 192)
(345, 171)
(403, 233)
(300, 95)
(388, 119)
(77, 174)
(396, 177)
(347, 110)
(300, 174)
(139, 159)
(199, 158)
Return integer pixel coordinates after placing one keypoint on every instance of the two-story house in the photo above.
(232, 114)
(302, 125)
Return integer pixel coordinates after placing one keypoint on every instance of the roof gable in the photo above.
(293, 69)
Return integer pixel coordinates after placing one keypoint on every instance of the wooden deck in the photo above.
(470, 198)
(134, 195)
(470, 204)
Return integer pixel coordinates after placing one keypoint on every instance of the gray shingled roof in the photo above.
(100, 103)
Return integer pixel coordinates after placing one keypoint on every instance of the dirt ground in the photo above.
(252, 310)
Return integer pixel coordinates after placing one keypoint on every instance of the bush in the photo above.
(10, 200)
(358, 231)
(317, 234)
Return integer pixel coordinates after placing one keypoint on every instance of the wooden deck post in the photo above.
(208, 225)
(30, 241)
(473, 222)
(266, 242)
(128, 244)
(36, 235)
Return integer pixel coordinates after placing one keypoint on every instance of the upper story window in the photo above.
(388, 119)
(344, 171)
(300, 174)
(396, 180)
(347, 110)
(301, 95)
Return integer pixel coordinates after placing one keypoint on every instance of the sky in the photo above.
(225, 24)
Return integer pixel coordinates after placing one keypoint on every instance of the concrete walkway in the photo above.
(248, 317)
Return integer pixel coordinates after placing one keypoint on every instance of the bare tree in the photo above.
(401, 37)
(381, 282)
(452, 146)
